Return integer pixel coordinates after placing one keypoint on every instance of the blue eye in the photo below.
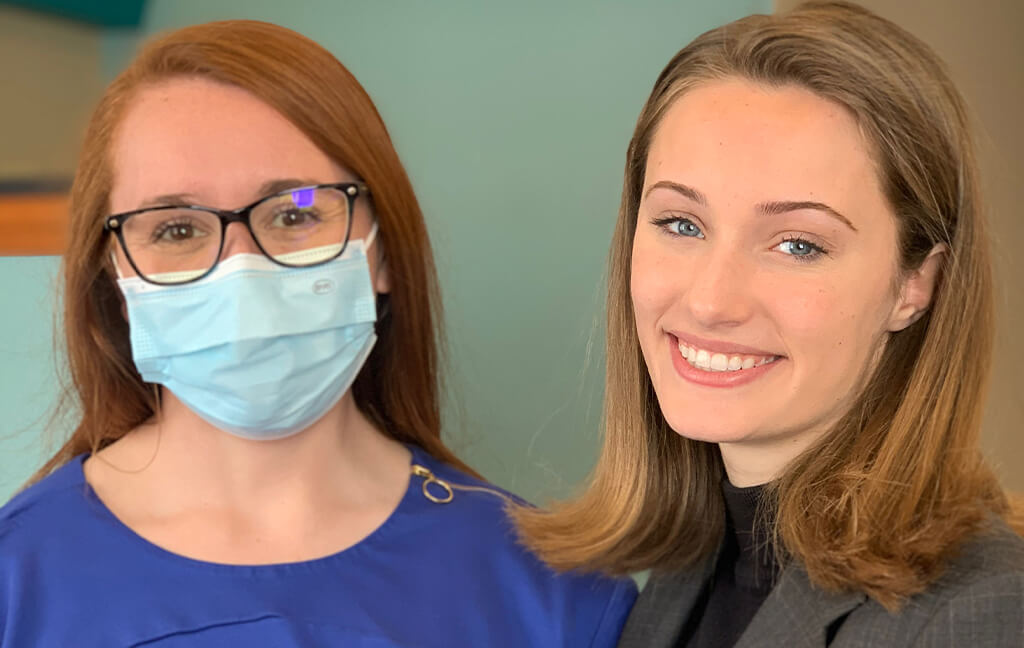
(680, 227)
(686, 228)
(800, 248)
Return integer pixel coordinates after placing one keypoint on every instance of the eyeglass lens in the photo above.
(299, 228)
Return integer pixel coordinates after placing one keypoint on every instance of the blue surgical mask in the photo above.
(257, 349)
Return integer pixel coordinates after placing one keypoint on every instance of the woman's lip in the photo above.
(727, 348)
(718, 378)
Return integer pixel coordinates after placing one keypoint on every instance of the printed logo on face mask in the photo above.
(323, 286)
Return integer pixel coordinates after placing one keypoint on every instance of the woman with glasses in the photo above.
(799, 330)
(251, 323)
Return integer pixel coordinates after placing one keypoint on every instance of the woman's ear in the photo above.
(917, 290)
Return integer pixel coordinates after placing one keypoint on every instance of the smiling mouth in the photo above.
(721, 362)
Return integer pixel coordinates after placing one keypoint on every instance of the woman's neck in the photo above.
(753, 462)
(179, 472)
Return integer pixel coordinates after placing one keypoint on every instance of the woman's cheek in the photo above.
(653, 283)
(807, 309)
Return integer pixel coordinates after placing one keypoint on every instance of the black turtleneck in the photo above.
(744, 576)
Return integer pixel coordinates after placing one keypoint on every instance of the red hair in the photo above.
(398, 388)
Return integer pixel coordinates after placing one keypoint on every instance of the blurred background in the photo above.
(512, 120)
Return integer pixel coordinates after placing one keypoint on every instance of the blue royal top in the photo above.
(431, 576)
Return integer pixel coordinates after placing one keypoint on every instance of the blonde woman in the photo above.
(799, 332)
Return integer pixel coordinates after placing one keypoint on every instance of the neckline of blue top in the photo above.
(412, 503)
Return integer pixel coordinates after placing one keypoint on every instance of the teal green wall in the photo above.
(512, 119)
(28, 382)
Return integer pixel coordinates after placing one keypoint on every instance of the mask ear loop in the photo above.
(117, 268)
(370, 238)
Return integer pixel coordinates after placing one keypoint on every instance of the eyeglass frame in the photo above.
(113, 225)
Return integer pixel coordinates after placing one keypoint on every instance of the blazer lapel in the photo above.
(797, 614)
(663, 607)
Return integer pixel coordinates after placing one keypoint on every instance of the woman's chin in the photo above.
(711, 433)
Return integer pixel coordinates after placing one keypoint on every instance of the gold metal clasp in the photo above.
(428, 479)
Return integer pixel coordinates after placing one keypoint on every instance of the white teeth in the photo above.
(703, 359)
(709, 361)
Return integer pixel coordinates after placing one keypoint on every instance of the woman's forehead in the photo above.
(210, 140)
(739, 135)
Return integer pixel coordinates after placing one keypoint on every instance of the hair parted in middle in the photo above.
(399, 387)
(885, 498)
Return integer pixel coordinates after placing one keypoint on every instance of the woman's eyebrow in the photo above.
(266, 189)
(770, 208)
(783, 206)
(167, 199)
(275, 186)
(689, 192)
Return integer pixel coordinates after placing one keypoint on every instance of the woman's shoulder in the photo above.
(480, 507)
(987, 571)
(997, 550)
(990, 563)
(42, 507)
(41, 534)
(44, 526)
(477, 524)
(978, 600)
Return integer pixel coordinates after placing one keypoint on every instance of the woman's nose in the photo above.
(719, 292)
(238, 240)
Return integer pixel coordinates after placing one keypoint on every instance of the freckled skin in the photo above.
(740, 144)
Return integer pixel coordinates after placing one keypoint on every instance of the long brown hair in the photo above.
(881, 502)
(398, 388)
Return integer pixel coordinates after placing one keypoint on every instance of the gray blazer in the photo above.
(977, 603)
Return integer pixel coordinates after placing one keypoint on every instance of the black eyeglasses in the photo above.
(179, 244)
